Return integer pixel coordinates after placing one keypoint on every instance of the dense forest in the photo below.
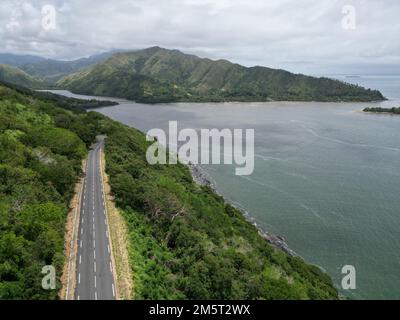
(185, 241)
(383, 110)
(39, 165)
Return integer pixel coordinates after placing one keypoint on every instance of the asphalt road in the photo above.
(94, 279)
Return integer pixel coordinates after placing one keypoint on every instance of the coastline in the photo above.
(202, 178)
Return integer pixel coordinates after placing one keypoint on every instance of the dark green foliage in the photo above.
(158, 75)
(39, 165)
(383, 110)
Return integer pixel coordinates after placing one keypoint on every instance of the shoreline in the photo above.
(202, 178)
(121, 99)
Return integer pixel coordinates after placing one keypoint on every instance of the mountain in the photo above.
(17, 60)
(160, 75)
(16, 76)
(50, 69)
(53, 70)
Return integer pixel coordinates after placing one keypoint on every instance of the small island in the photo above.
(383, 110)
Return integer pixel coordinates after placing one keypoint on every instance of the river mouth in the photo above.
(326, 178)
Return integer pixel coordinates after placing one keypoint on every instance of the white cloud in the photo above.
(305, 36)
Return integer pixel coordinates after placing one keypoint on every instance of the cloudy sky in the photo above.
(309, 36)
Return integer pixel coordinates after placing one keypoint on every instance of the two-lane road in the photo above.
(94, 279)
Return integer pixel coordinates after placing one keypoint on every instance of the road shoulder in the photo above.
(68, 278)
(119, 236)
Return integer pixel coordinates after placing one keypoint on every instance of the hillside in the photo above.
(52, 70)
(161, 75)
(393, 110)
(17, 60)
(16, 76)
(49, 69)
(185, 241)
(39, 164)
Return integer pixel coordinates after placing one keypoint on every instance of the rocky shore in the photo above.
(202, 178)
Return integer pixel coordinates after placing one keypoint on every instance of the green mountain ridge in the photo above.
(17, 76)
(161, 75)
(50, 70)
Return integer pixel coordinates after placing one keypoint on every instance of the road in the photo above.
(94, 279)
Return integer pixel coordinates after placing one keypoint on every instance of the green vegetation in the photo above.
(383, 110)
(63, 101)
(17, 76)
(39, 164)
(48, 69)
(185, 241)
(159, 75)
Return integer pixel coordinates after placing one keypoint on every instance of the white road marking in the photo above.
(79, 278)
(94, 187)
(78, 298)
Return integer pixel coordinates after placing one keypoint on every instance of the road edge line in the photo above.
(69, 286)
(114, 268)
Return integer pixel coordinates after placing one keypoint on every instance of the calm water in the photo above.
(327, 177)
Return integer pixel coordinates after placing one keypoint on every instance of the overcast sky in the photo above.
(309, 36)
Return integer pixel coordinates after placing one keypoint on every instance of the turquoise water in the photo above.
(327, 177)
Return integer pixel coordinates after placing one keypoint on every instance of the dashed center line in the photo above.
(95, 205)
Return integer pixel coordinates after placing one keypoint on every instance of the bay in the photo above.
(327, 176)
